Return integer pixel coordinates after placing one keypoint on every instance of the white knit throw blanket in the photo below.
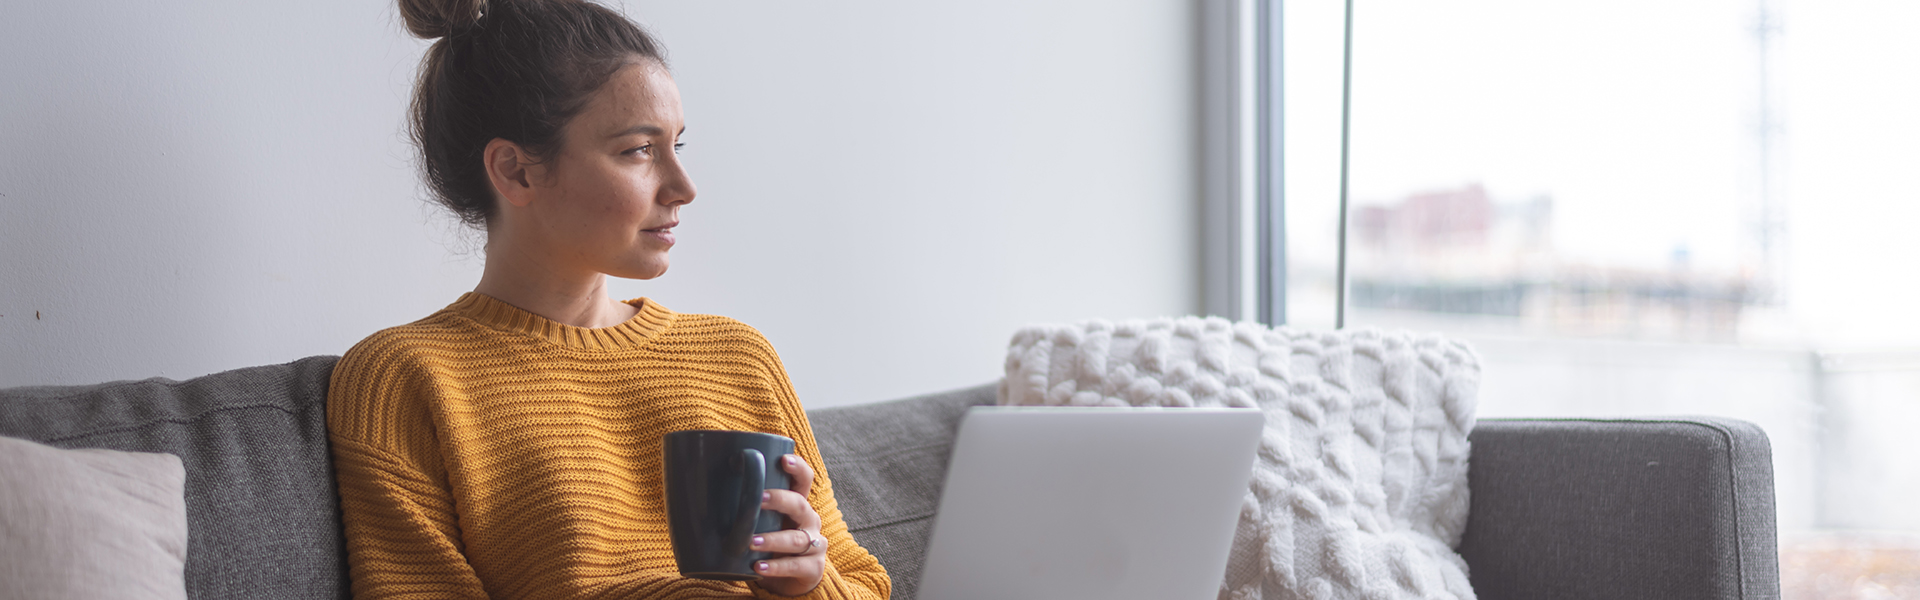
(1360, 487)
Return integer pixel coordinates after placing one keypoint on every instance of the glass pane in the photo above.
(1639, 208)
(1312, 47)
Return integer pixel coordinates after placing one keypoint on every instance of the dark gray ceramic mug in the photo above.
(714, 481)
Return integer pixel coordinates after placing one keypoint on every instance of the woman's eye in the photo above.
(678, 146)
(645, 150)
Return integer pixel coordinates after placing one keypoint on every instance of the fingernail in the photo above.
(762, 566)
(765, 496)
(793, 460)
(757, 541)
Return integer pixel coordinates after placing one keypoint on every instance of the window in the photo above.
(1629, 208)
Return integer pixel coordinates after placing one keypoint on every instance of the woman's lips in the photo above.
(664, 234)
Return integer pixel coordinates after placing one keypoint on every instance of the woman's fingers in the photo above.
(794, 569)
(805, 550)
(801, 472)
(794, 506)
(790, 541)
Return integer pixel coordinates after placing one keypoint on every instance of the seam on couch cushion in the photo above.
(189, 420)
(97, 388)
(1740, 526)
(895, 521)
(883, 457)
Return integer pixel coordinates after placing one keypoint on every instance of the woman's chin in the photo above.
(648, 270)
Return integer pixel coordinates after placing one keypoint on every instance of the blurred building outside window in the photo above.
(1643, 208)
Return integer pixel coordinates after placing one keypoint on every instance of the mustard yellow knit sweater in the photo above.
(485, 451)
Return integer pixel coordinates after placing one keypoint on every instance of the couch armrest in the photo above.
(1653, 508)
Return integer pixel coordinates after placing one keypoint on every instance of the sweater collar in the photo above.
(491, 312)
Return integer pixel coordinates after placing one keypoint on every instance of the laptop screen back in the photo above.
(1110, 503)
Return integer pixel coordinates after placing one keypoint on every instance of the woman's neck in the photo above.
(577, 299)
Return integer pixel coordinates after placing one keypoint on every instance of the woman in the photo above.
(509, 444)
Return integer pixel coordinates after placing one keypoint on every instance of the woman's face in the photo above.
(609, 199)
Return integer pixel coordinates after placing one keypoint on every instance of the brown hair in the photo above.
(517, 70)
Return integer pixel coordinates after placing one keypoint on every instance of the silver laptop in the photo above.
(1109, 503)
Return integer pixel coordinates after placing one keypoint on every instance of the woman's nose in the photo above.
(678, 188)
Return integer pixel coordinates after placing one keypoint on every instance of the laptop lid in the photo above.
(1109, 503)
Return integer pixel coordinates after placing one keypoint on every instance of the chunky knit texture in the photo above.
(1360, 487)
(485, 451)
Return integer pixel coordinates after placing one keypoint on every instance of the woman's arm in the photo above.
(403, 536)
(849, 571)
(403, 539)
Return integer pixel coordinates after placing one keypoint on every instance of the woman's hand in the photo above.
(803, 551)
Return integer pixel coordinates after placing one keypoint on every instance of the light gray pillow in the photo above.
(91, 523)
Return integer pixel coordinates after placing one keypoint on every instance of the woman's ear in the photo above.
(507, 165)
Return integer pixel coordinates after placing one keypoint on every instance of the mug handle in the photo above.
(754, 467)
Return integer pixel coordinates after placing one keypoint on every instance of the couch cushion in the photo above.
(888, 461)
(260, 498)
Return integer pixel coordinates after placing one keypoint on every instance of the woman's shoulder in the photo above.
(717, 333)
(373, 382)
(714, 326)
(408, 344)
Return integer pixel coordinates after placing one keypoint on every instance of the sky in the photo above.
(1639, 118)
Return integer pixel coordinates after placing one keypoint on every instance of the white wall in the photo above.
(887, 189)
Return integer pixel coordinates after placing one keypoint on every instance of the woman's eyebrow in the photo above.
(638, 130)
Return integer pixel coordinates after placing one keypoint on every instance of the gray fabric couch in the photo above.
(1562, 509)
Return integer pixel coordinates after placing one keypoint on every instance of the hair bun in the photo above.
(433, 19)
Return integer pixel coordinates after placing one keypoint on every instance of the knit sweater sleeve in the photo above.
(852, 573)
(403, 536)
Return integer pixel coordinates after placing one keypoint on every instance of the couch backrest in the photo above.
(263, 517)
(1561, 508)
